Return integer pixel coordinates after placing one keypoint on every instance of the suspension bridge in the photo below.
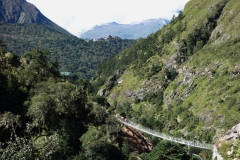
(164, 136)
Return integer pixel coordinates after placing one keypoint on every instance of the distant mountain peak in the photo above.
(133, 30)
(20, 11)
(112, 23)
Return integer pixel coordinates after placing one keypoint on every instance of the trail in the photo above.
(164, 136)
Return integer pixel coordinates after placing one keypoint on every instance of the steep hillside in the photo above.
(184, 79)
(125, 31)
(73, 54)
(20, 11)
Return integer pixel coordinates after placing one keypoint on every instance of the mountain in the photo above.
(20, 11)
(182, 80)
(125, 31)
(23, 27)
(74, 55)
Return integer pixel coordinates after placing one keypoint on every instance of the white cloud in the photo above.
(81, 15)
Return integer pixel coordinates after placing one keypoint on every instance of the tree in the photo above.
(170, 73)
(126, 148)
(168, 36)
(38, 67)
(14, 147)
(167, 150)
(96, 144)
(52, 101)
(41, 107)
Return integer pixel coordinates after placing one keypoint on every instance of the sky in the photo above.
(78, 16)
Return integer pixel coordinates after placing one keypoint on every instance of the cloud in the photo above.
(81, 15)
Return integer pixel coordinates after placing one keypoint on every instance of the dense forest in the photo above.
(44, 116)
(74, 55)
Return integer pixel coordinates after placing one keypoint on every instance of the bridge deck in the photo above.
(164, 136)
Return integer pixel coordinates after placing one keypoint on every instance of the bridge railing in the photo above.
(164, 136)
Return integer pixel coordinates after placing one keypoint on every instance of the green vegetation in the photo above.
(73, 54)
(182, 80)
(229, 149)
(167, 150)
(44, 116)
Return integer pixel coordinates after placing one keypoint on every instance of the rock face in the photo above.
(110, 83)
(230, 137)
(20, 11)
(233, 133)
(137, 141)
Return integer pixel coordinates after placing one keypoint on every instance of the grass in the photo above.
(213, 99)
(130, 82)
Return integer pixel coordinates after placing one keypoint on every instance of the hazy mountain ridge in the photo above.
(20, 11)
(125, 31)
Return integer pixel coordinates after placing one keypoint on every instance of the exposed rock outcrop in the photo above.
(20, 11)
(230, 138)
(110, 83)
(138, 142)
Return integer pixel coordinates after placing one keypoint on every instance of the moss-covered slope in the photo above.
(184, 79)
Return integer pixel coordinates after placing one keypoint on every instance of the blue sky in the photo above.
(78, 16)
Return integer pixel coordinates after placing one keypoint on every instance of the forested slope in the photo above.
(184, 79)
(73, 54)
